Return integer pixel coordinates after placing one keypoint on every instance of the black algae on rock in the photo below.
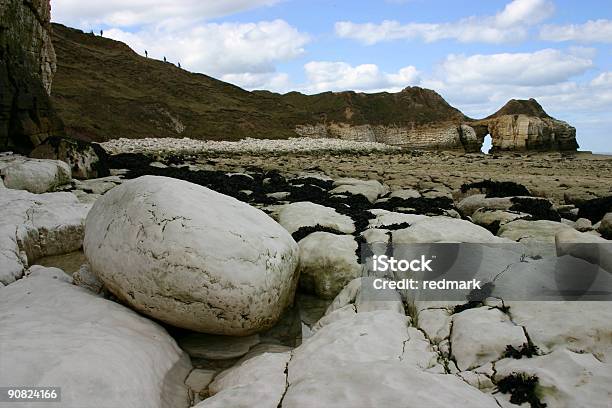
(595, 209)
(522, 388)
(538, 208)
(497, 188)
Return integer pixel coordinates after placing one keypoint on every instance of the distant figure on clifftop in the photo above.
(165, 59)
(101, 33)
(179, 64)
(146, 54)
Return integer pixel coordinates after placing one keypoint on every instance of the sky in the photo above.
(477, 54)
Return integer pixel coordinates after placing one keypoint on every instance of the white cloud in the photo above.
(542, 67)
(524, 12)
(481, 84)
(220, 49)
(591, 31)
(340, 76)
(123, 13)
(603, 80)
(509, 25)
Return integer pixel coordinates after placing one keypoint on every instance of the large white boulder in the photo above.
(34, 175)
(100, 353)
(191, 257)
(327, 263)
(306, 214)
(37, 225)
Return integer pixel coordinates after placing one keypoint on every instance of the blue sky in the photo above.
(477, 54)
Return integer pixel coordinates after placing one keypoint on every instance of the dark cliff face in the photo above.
(27, 64)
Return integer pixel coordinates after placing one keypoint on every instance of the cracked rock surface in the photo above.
(191, 257)
(37, 225)
(481, 335)
(363, 359)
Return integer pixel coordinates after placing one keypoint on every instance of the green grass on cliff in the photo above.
(103, 90)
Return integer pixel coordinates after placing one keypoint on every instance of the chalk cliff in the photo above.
(524, 125)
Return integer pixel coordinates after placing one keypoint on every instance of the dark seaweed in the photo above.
(466, 306)
(522, 388)
(497, 188)
(526, 350)
(303, 232)
(538, 208)
(421, 205)
(595, 209)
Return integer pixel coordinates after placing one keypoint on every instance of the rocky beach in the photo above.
(174, 269)
(238, 279)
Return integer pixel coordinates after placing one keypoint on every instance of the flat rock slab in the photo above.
(369, 359)
(480, 336)
(306, 214)
(35, 226)
(100, 353)
(370, 189)
(444, 229)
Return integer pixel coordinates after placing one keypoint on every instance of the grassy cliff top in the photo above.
(103, 90)
(529, 107)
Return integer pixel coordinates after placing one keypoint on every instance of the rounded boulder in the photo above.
(191, 257)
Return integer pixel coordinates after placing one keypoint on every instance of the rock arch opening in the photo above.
(487, 144)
